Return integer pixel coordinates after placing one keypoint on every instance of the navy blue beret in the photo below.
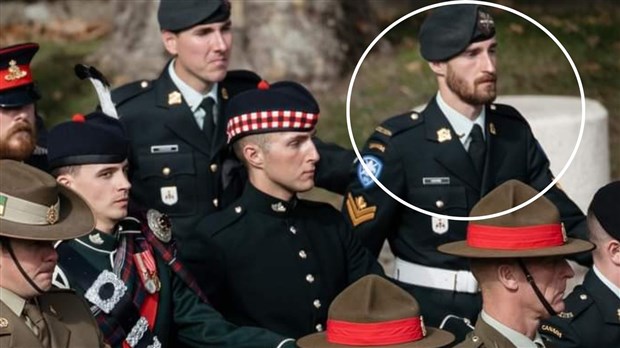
(17, 86)
(178, 15)
(606, 207)
(448, 30)
(280, 107)
(93, 139)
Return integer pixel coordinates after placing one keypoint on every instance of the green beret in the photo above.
(178, 15)
(448, 30)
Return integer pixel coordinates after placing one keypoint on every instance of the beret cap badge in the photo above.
(486, 25)
(15, 73)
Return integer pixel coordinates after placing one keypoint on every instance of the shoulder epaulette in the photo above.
(129, 91)
(237, 81)
(396, 124)
(213, 224)
(507, 110)
(576, 303)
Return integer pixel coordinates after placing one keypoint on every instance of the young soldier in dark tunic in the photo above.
(279, 260)
(519, 260)
(592, 315)
(35, 212)
(127, 267)
(443, 160)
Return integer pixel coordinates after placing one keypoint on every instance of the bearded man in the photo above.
(443, 160)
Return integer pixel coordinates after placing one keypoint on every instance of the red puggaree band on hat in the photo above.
(515, 238)
(375, 334)
(276, 120)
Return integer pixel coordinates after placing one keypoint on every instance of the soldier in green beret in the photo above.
(592, 315)
(180, 163)
(519, 262)
(443, 160)
(35, 212)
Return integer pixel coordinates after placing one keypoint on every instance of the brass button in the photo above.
(166, 171)
(238, 209)
(310, 278)
(475, 338)
(213, 167)
(293, 230)
(583, 296)
(319, 327)
(144, 84)
(414, 116)
(302, 254)
(215, 202)
(317, 303)
(439, 204)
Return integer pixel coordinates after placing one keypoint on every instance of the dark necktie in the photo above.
(208, 126)
(34, 314)
(477, 148)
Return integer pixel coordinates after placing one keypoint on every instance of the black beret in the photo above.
(280, 107)
(17, 86)
(93, 139)
(606, 207)
(448, 30)
(178, 15)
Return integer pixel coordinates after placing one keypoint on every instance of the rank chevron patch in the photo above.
(359, 211)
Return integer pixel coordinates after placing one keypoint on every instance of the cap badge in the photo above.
(278, 207)
(564, 237)
(486, 25)
(52, 214)
(422, 326)
(15, 73)
(95, 238)
(160, 225)
(444, 134)
(174, 98)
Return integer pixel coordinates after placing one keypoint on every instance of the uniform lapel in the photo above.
(20, 335)
(450, 153)
(495, 153)
(611, 304)
(491, 337)
(181, 119)
(220, 137)
(59, 334)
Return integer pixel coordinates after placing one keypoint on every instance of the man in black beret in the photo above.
(126, 267)
(592, 315)
(22, 134)
(274, 260)
(443, 160)
(179, 160)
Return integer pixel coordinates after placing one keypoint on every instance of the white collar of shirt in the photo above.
(191, 96)
(12, 300)
(459, 122)
(516, 338)
(607, 282)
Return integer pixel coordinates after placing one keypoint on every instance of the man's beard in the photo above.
(473, 97)
(19, 142)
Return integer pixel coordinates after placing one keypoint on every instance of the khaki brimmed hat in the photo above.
(34, 206)
(532, 231)
(373, 312)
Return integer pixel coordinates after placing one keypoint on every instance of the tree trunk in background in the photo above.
(134, 49)
(314, 42)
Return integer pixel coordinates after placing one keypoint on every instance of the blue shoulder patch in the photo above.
(375, 165)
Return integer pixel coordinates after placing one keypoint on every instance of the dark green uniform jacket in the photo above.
(419, 158)
(277, 264)
(485, 336)
(176, 170)
(591, 318)
(183, 319)
(68, 319)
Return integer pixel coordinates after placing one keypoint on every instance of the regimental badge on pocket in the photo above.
(439, 225)
(169, 195)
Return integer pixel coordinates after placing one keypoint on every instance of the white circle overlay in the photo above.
(465, 218)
